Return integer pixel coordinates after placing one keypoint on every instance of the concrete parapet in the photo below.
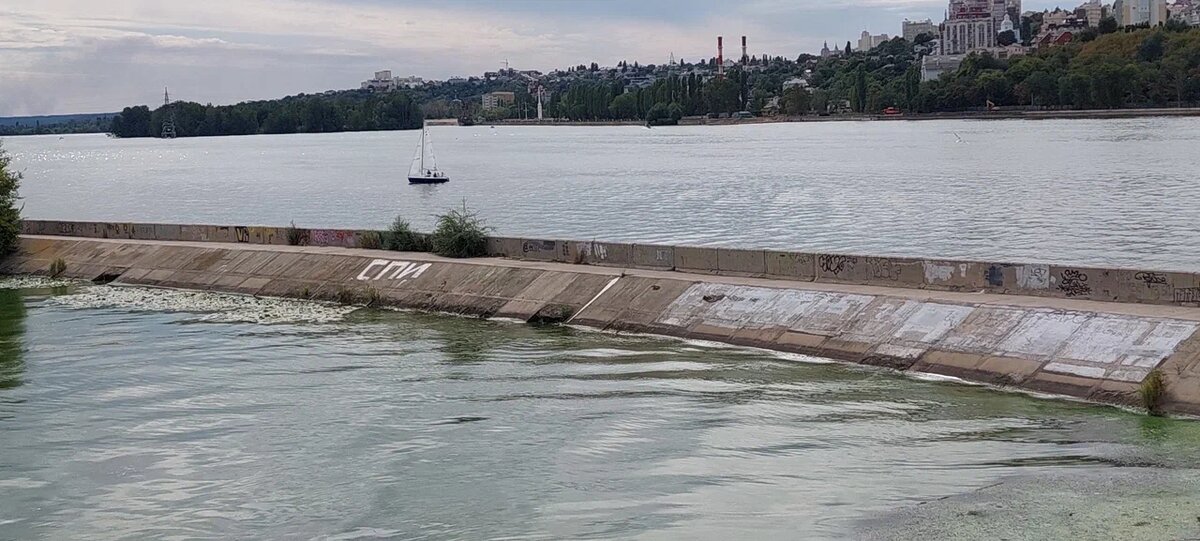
(894, 272)
(735, 262)
(696, 260)
(790, 265)
(542, 250)
(504, 247)
(653, 256)
(1084, 283)
(1032, 279)
(346, 238)
(607, 254)
(167, 232)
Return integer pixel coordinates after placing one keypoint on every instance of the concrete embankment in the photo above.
(1082, 348)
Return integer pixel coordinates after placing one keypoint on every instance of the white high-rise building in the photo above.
(1135, 12)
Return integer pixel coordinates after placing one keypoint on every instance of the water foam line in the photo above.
(589, 303)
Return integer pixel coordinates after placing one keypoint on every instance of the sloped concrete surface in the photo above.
(1087, 349)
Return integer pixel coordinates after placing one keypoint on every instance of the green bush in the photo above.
(460, 233)
(370, 240)
(402, 238)
(10, 215)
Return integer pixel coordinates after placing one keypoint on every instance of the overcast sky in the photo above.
(75, 56)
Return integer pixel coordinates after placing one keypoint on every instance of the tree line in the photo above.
(1103, 68)
(346, 111)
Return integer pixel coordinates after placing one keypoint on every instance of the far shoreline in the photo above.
(1088, 114)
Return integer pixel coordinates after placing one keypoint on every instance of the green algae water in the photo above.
(141, 414)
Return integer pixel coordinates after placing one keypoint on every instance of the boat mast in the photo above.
(422, 149)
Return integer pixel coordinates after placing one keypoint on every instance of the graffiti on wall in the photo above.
(241, 233)
(332, 237)
(1074, 283)
(381, 269)
(1186, 294)
(995, 276)
(592, 250)
(883, 269)
(537, 246)
(1151, 278)
(836, 264)
(1033, 277)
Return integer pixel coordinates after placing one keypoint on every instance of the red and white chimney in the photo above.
(745, 57)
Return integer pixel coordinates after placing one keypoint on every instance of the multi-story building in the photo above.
(494, 100)
(933, 67)
(911, 29)
(867, 42)
(1090, 12)
(1135, 12)
(969, 26)
(382, 81)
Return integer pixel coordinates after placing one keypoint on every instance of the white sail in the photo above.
(417, 167)
(430, 161)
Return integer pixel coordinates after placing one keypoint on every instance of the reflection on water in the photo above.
(1043, 190)
(12, 329)
(134, 424)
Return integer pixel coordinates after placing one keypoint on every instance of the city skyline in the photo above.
(71, 56)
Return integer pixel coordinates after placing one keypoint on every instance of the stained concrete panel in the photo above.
(608, 254)
(542, 250)
(790, 265)
(732, 262)
(696, 260)
(954, 275)
(654, 256)
(1083, 283)
(893, 272)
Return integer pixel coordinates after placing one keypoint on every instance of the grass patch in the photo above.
(1152, 391)
(402, 238)
(460, 233)
(370, 240)
(58, 267)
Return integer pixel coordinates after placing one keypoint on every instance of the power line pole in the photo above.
(168, 128)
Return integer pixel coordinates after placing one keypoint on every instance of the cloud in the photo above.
(82, 55)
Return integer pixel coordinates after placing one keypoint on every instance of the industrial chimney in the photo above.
(720, 56)
(745, 58)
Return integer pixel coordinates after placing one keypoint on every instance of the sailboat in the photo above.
(424, 167)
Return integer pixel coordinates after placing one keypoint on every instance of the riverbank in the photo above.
(1098, 351)
(961, 115)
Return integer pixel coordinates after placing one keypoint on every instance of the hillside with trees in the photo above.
(1105, 67)
(355, 110)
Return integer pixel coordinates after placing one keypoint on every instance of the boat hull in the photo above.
(428, 180)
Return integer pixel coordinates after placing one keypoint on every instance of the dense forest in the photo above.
(344, 111)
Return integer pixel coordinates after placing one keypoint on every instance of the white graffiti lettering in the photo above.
(399, 270)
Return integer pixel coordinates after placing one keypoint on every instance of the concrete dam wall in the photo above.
(1093, 350)
(1028, 279)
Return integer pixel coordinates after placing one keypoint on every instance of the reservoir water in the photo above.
(1103, 192)
(141, 414)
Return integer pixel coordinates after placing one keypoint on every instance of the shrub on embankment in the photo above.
(460, 233)
(10, 215)
(402, 238)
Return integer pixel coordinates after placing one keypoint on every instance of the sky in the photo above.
(94, 56)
